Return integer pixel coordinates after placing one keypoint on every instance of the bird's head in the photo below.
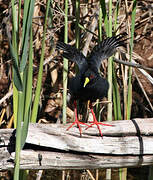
(89, 76)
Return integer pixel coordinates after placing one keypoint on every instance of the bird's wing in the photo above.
(73, 54)
(105, 49)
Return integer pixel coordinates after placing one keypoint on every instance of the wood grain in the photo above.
(126, 143)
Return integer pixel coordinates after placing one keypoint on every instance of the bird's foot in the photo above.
(77, 122)
(95, 122)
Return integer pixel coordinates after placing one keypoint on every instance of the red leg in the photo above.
(95, 122)
(76, 120)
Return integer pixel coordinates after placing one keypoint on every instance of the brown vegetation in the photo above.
(51, 96)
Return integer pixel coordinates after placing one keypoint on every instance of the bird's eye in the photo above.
(91, 76)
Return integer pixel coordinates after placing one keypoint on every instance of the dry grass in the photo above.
(51, 95)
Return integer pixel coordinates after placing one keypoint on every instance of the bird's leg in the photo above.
(76, 120)
(95, 122)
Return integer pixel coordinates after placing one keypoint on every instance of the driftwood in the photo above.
(49, 146)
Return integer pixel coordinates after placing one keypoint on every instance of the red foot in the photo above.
(76, 120)
(78, 125)
(95, 122)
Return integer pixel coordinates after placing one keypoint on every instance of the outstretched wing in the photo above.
(105, 49)
(73, 54)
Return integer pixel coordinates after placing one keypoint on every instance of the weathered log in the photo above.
(50, 146)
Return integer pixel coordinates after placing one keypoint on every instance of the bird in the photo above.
(88, 84)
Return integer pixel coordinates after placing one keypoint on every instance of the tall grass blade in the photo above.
(65, 65)
(109, 113)
(19, 29)
(116, 97)
(18, 138)
(100, 24)
(14, 47)
(15, 28)
(25, 39)
(123, 173)
(116, 94)
(20, 80)
(129, 102)
(77, 29)
(15, 104)
(104, 13)
(28, 94)
(116, 13)
(39, 82)
(25, 17)
(16, 74)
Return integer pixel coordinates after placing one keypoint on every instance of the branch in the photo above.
(126, 143)
(135, 65)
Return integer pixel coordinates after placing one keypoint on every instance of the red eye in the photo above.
(91, 76)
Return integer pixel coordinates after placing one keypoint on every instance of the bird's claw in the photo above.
(78, 125)
(97, 124)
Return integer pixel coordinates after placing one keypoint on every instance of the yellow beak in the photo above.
(86, 81)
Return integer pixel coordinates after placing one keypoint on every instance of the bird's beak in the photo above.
(86, 81)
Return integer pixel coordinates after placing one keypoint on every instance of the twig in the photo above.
(39, 174)
(90, 174)
(9, 94)
(92, 27)
(135, 65)
(144, 92)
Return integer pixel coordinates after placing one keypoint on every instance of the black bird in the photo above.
(88, 83)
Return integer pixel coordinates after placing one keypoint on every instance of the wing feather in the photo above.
(105, 49)
(73, 54)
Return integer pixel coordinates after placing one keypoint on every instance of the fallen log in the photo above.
(127, 143)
